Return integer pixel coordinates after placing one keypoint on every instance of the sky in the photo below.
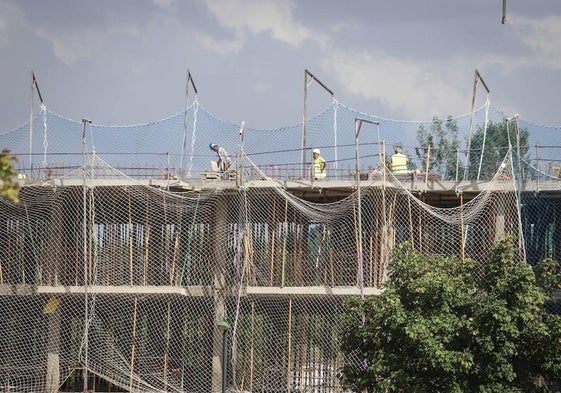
(123, 62)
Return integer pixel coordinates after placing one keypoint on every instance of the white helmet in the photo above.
(315, 151)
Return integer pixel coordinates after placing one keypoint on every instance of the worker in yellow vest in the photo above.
(320, 165)
(398, 162)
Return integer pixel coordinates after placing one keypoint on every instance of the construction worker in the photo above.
(398, 161)
(320, 165)
(223, 158)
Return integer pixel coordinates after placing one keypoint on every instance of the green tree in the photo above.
(495, 148)
(437, 327)
(442, 137)
(8, 186)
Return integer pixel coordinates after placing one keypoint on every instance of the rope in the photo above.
(45, 140)
(466, 166)
(193, 136)
(185, 125)
(487, 104)
(335, 107)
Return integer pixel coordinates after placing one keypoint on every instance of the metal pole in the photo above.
(31, 105)
(520, 167)
(306, 74)
(183, 145)
(303, 171)
(475, 83)
(85, 250)
(358, 124)
(242, 155)
(34, 86)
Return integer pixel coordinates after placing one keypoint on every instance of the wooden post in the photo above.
(285, 234)
(133, 345)
(252, 346)
(166, 352)
(289, 349)
(303, 343)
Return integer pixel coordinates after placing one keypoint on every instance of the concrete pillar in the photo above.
(220, 263)
(52, 376)
(500, 222)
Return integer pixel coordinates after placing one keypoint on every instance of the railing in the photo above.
(538, 162)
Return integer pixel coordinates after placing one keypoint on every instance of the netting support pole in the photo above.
(185, 126)
(358, 125)
(31, 105)
(308, 74)
(517, 130)
(85, 250)
(241, 163)
(475, 83)
(34, 86)
(484, 137)
(427, 168)
(538, 166)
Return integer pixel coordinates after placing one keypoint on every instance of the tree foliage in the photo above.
(497, 140)
(447, 325)
(8, 186)
(442, 139)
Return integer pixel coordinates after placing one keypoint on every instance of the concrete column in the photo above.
(52, 376)
(500, 222)
(220, 262)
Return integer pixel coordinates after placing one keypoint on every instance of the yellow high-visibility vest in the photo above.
(319, 168)
(399, 163)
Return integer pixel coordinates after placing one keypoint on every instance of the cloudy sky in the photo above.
(121, 62)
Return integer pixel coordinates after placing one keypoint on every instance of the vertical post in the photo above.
(31, 105)
(304, 120)
(520, 167)
(218, 261)
(242, 155)
(475, 83)
(289, 346)
(462, 234)
(34, 86)
(52, 377)
(538, 165)
(358, 124)
(85, 250)
(224, 327)
(183, 145)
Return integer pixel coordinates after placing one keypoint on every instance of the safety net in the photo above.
(131, 265)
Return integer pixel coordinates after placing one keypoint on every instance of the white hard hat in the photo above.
(315, 151)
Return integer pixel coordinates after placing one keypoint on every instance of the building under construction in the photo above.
(131, 265)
